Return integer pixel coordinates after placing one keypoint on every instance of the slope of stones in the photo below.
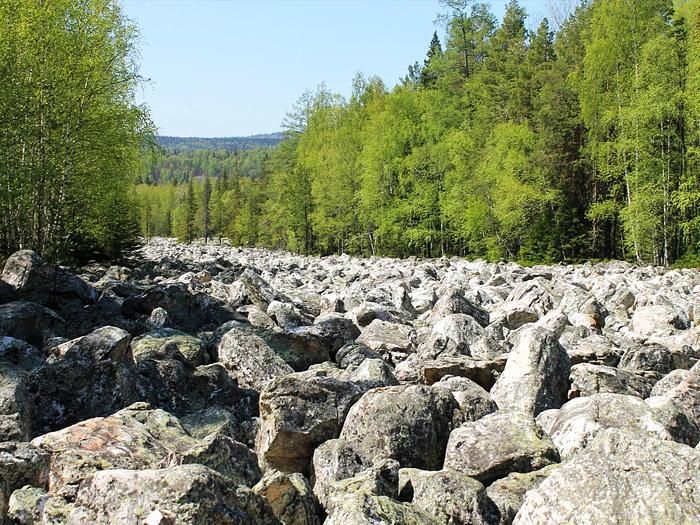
(212, 384)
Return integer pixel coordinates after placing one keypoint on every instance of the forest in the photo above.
(536, 146)
(567, 143)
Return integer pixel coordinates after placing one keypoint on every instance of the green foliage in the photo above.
(503, 143)
(71, 135)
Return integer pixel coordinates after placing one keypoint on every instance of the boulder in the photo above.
(473, 400)
(167, 343)
(21, 464)
(452, 335)
(137, 437)
(536, 376)
(298, 413)
(410, 424)
(655, 358)
(508, 493)
(482, 371)
(388, 338)
(366, 509)
(658, 319)
(17, 360)
(29, 322)
(250, 358)
(575, 425)
(34, 279)
(290, 497)
(449, 496)
(186, 494)
(588, 379)
(498, 444)
(595, 486)
(454, 302)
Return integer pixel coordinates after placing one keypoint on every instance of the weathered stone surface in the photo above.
(449, 496)
(187, 494)
(410, 424)
(290, 497)
(659, 319)
(29, 322)
(454, 334)
(136, 438)
(508, 493)
(299, 413)
(250, 358)
(17, 360)
(668, 382)
(482, 371)
(167, 343)
(388, 338)
(366, 509)
(498, 444)
(575, 425)
(655, 358)
(474, 401)
(588, 379)
(35, 280)
(25, 505)
(20, 464)
(536, 376)
(621, 477)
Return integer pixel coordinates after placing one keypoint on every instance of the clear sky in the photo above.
(235, 67)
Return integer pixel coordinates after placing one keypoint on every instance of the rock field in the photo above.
(218, 385)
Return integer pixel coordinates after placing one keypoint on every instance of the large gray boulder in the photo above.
(298, 413)
(21, 464)
(17, 360)
(290, 497)
(621, 477)
(588, 379)
(30, 322)
(34, 279)
(187, 494)
(498, 444)
(448, 495)
(507, 494)
(575, 425)
(536, 376)
(410, 424)
(167, 343)
(250, 359)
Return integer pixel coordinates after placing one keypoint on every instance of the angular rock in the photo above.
(454, 302)
(135, 438)
(536, 376)
(588, 379)
(410, 424)
(21, 464)
(498, 444)
(190, 494)
(290, 497)
(167, 343)
(35, 280)
(297, 415)
(655, 358)
(29, 322)
(474, 401)
(575, 425)
(508, 493)
(388, 338)
(594, 487)
(449, 496)
(250, 358)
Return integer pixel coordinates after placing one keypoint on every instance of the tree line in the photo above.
(71, 135)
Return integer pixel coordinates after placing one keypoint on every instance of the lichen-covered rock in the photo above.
(290, 497)
(388, 338)
(483, 372)
(668, 382)
(508, 493)
(17, 360)
(575, 425)
(250, 358)
(137, 437)
(29, 322)
(454, 334)
(298, 413)
(588, 379)
(658, 319)
(167, 343)
(655, 358)
(410, 424)
(448, 495)
(536, 376)
(21, 464)
(454, 302)
(187, 494)
(107, 342)
(366, 509)
(474, 401)
(35, 280)
(498, 444)
(621, 477)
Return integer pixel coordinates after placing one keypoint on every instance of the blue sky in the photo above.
(234, 67)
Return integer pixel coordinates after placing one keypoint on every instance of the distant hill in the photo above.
(220, 143)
